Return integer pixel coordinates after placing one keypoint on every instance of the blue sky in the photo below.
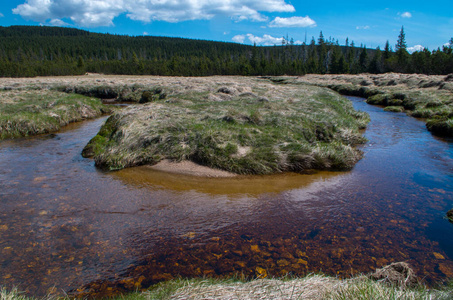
(263, 22)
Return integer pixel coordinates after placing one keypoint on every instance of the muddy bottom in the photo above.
(66, 227)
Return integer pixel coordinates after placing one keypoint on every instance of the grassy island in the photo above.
(26, 112)
(237, 124)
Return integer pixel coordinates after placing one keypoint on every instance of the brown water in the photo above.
(66, 227)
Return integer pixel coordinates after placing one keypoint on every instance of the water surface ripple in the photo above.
(67, 227)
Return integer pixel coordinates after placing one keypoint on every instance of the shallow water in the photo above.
(66, 226)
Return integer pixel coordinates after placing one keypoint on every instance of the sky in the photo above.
(264, 22)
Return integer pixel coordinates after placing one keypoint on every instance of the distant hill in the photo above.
(41, 51)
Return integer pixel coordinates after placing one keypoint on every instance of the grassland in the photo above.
(427, 97)
(26, 112)
(237, 124)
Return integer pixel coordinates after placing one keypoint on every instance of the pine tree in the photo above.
(387, 50)
(321, 40)
(401, 43)
(80, 62)
(363, 59)
(402, 56)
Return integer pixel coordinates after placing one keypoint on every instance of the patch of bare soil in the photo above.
(190, 168)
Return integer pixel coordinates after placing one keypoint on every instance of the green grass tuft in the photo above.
(394, 109)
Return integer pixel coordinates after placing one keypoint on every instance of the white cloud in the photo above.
(92, 13)
(406, 15)
(239, 38)
(363, 27)
(83, 12)
(265, 40)
(293, 22)
(415, 48)
(1, 15)
(57, 22)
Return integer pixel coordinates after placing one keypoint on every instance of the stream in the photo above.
(69, 228)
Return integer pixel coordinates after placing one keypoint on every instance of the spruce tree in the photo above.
(387, 50)
(401, 43)
(321, 40)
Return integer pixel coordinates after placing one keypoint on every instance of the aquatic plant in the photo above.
(450, 215)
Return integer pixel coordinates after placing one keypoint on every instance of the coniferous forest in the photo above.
(27, 51)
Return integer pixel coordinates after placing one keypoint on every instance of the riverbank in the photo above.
(29, 111)
(310, 287)
(429, 97)
(314, 287)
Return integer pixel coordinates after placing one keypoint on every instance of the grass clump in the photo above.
(394, 109)
(123, 93)
(450, 215)
(13, 294)
(309, 287)
(272, 129)
(32, 112)
(441, 127)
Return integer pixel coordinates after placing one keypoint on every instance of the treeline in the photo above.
(27, 51)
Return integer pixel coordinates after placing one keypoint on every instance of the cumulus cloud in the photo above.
(57, 22)
(239, 38)
(406, 15)
(1, 15)
(265, 40)
(363, 27)
(82, 12)
(415, 48)
(293, 22)
(92, 13)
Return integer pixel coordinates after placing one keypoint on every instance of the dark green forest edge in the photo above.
(27, 51)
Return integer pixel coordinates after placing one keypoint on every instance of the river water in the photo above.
(66, 227)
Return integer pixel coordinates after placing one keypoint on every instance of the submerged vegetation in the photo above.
(450, 215)
(241, 125)
(36, 111)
